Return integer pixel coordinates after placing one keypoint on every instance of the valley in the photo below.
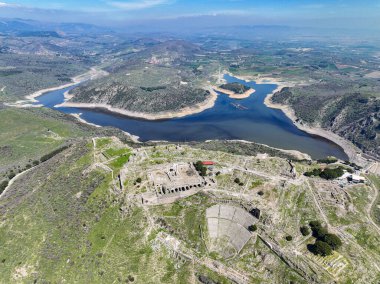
(229, 154)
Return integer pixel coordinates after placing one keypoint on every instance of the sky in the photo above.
(355, 14)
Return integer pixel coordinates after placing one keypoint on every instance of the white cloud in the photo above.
(137, 5)
(3, 4)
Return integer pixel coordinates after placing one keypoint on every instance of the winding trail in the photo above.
(14, 179)
(370, 208)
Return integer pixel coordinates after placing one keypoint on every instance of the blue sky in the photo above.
(339, 13)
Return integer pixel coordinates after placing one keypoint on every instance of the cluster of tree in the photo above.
(325, 242)
(327, 173)
(52, 154)
(332, 173)
(151, 89)
(355, 166)
(235, 87)
(314, 172)
(328, 160)
(201, 169)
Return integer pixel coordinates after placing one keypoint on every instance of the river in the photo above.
(252, 120)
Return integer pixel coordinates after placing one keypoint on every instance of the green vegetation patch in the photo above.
(237, 88)
(30, 134)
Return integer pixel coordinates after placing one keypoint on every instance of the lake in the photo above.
(251, 121)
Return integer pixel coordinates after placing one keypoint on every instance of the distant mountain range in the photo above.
(21, 27)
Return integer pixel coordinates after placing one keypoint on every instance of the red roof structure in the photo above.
(208, 163)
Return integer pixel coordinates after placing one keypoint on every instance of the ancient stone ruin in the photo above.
(171, 182)
(228, 229)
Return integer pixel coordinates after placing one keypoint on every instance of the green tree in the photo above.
(200, 168)
(203, 171)
(332, 240)
(252, 228)
(332, 173)
(289, 238)
(314, 224)
(198, 165)
(318, 230)
(320, 248)
(305, 231)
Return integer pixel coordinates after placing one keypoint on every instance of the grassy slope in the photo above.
(27, 135)
(73, 229)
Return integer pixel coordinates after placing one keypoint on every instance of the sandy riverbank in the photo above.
(234, 95)
(208, 103)
(295, 153)
(92, 74)
(353, 152)
(134, 138)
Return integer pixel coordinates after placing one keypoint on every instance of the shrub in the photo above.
(138, 180)
(3, 186)
(11, 175)
(252, 228)
(314, 172)
(237, 180)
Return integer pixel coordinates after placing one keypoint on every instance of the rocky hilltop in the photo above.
(350, 110)
(161, 77)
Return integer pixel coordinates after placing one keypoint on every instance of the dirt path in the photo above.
(14, 179)
(317, 204)
(370, 208)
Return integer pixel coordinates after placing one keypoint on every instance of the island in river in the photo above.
(235, 90)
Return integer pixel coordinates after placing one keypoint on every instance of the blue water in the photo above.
(257, 123)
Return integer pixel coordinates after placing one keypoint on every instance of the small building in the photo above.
(353, 178)
(208, 163)
(356, 179)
